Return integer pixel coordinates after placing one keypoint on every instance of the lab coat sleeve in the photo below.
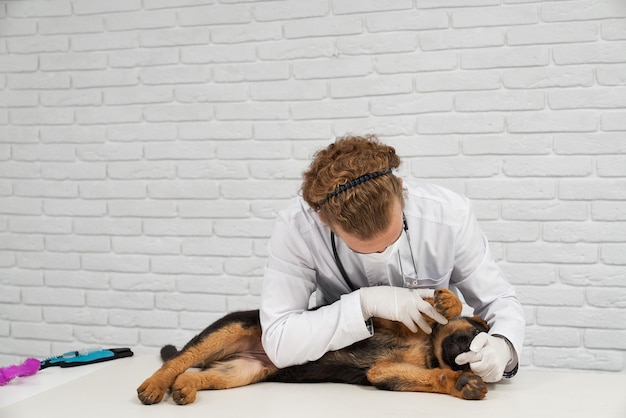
(484, 288)
(291, 333)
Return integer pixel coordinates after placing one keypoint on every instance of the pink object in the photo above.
(28, 368)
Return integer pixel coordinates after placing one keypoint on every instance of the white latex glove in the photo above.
(400, 304)
(488, 356)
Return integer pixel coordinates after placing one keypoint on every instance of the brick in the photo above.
(406, 21)
(608, 211)
(453, 81)
(214, 209)
(19, 242)
(583, 189)
(213, 170)
(180, 151)
(323, 27)
(215, 15)
(614, 121)
(266, 71)
(29, 9)
(292, 10)
(547, 166)
(282, 90)
(577, 359)
(20, 206)
(607, 297)
(611, 166)
(143, 58)
(501, 58)
(602, 53)
(38, 81)
(77, 171)
(411, 63)
(178, 112)
(141, 209)
(48, 44)
(585, 232)
(78, 244)
(140, 20)
(145, 282)
(501, 16)
(174, 4)
(146, 246)
(143, 319)
(107, 227)
(605, 339)
(107, 115)
(563, 121)
(582, 10)
(24, 330)
(392, 85)
(551, 296)
(54, 297)
(349, 108)
(119, 263)
(70, 98)
(252, 111)
(454, 167)
(106, 78)
(95, 7)
(588, 98)
(254, 32)
(70, 25)
(460, 124)
(161, 132)
(412, 104)
(508, 144)
(256, 150)
(545, 211)
(581, 317)
(18, 27)
(112, 299)
(174, 37)
(553, 34)
(379, 43)
(589, 144)
(174, 75)
(552, 253)
(613, 75)
(77, 279)
(111, 336)
(191, 302)
(462, 38)
(539, 78)
(217, 246)
(73, 61)
(339, 67)
(499, 101)
(614, 30)
(177, 227)
(17, 64)
(104, 42)
(552, 337)
(80, 316)
(202, 266)
(153, 170)
(529, 274)
(294, 50)
(613, 254)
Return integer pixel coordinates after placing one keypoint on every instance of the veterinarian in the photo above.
(369, 243)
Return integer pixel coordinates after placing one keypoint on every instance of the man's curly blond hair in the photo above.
(362, 210)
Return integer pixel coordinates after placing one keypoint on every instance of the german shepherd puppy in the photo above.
(230, 354)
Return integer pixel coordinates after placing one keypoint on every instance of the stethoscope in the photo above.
(409, 282)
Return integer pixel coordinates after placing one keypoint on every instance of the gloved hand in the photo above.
(488, 356)
(400, 304)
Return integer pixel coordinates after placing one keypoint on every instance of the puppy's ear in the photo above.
(481, 322)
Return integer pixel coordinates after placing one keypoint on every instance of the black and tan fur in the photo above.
(230, 354)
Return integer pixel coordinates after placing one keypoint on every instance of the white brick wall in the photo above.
(146, 146)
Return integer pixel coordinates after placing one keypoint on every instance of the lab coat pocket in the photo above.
(436, 282)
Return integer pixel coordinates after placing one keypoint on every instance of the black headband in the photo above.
(353, 183)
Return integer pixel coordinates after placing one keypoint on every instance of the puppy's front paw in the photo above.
(447, 303)
(470, 386)
(150, 392)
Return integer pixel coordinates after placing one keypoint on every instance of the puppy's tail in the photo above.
(168, 352)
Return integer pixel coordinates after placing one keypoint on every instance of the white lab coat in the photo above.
(449, 249)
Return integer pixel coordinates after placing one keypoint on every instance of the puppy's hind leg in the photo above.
(219, 344)
(220, 375)
(410, 378)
